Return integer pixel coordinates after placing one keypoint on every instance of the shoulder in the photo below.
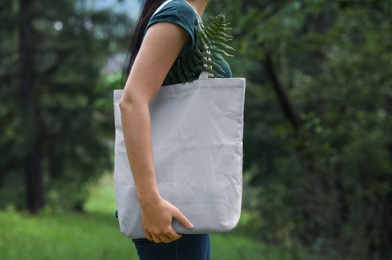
(177, 11)
(179, 6)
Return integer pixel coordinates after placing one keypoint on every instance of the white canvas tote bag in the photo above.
(197, 133)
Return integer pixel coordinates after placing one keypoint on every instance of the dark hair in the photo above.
(148, 9)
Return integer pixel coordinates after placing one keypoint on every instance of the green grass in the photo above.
(61, 236)
(95, 234)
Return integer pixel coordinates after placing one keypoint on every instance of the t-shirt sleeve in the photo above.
(180, 13)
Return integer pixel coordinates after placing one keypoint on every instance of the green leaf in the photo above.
(211, 45)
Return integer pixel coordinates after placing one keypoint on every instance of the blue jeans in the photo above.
(188, 247)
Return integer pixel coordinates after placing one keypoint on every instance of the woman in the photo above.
(155, 46)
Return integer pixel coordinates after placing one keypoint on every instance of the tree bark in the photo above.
(245, 5)
(283, 99)
(34, 179)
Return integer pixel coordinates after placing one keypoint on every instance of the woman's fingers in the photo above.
(166, 236)
(172, 234)
(156, 239)
(157, 221)
(148, 236)
(181, 218)
(166, 239)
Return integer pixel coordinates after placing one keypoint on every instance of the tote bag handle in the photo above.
(160, 8)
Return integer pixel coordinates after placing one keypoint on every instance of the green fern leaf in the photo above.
(224, 53)
(212, 38)
(209, 70)
(213, 64)
(224, 46)
(186, 66)
(173, 77)
(180, 72)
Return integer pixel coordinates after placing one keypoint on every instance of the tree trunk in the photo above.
(245, 5)
(34, 180)
(284, 101)
(35, 188)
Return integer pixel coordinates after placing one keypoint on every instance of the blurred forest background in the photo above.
(318, 116)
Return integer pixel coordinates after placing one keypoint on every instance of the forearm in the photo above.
(138, 142)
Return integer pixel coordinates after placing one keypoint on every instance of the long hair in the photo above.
(148, 9)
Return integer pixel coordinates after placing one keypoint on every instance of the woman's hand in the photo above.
(157, 217)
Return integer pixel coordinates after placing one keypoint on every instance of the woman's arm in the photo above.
(161, 46)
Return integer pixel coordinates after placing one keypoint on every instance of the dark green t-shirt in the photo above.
(181, 13)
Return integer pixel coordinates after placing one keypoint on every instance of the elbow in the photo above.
(129, 104)
(122, 104)
(125, 103)
(133, 102)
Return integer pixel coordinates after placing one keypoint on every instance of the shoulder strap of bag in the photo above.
(160, 7)
(197, 14)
